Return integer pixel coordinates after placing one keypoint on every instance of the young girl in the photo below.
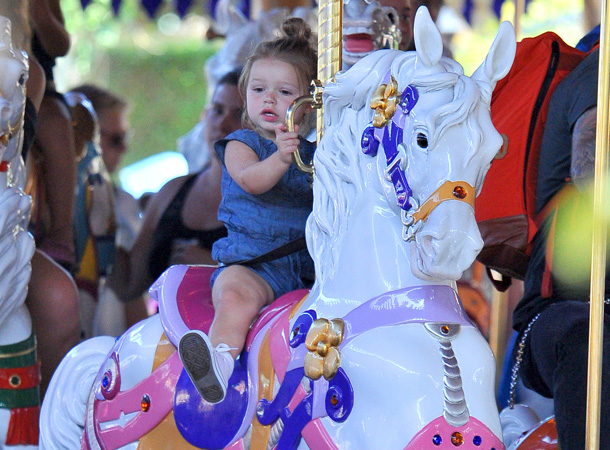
(266, 201)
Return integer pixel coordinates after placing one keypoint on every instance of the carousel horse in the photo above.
(19, 368)
(380, 353)
(367, 26)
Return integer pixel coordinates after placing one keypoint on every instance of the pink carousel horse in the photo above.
(380, 353)
(19, 369)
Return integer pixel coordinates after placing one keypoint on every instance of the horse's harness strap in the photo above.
(387, 128)
(449, 190)
(277, 253)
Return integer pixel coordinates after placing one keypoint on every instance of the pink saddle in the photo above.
(185, 302)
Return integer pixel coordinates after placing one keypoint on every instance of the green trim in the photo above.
(19, 398)
(19, 354)
(18, 346)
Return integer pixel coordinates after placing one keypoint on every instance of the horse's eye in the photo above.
(422, 140)
(22, 79)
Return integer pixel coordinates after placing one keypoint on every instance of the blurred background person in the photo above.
(53, 149)
(105, 215)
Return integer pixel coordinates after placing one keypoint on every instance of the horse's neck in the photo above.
(373, 259)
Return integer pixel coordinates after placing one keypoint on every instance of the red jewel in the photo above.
(459, 192)
(457, 439)
(445, 329)
(3, 166)
(145, 403)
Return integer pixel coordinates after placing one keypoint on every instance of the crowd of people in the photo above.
(90, 234)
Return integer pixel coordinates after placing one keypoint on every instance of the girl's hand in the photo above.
(287, 142)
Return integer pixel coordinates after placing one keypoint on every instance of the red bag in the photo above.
(505, 209)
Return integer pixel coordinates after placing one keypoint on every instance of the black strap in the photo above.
(277, 253)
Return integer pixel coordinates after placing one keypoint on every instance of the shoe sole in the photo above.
(200, 367)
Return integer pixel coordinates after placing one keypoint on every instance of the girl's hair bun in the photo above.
(296, 29)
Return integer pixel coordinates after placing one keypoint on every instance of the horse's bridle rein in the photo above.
(387, 128)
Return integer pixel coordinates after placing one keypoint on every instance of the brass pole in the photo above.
(519, 11)
(330, 23)
(598, 256)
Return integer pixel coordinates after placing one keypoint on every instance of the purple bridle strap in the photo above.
(391, 136)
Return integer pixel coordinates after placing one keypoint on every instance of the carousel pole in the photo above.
(330, 23)
(598, 256)
(519, 11)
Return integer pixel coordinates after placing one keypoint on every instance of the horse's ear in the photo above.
(500, 57)
(228, 17)
(428, 40)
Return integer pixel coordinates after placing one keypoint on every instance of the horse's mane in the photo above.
(340, 174)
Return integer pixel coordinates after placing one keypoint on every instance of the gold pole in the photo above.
(598, 256)
(330, 23)
(519, 11)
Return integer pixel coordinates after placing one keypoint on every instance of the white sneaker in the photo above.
(208, 368)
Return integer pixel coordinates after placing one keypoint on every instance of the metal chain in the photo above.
(515, 371)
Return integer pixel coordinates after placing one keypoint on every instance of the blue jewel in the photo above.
(437, 439)
(105, 381)
(477, 440)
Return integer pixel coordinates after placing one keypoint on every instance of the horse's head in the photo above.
(367, 26)
(438, 145)
(427, 141)
(13, 77)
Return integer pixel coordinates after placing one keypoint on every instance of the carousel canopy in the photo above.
(182, 7)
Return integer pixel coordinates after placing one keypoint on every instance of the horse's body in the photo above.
(19, 371)
(380, 354)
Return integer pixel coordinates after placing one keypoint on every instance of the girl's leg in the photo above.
(238, 295)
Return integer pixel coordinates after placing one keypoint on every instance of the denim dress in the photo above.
(257, 224)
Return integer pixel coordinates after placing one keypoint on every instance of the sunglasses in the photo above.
(117, 139)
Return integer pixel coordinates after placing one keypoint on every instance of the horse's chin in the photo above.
(426, 266)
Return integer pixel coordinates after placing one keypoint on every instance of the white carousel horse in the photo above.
(380, 354)
(19, 370)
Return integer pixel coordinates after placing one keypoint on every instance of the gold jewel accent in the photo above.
(323, 358)
(384, 102)
(14, 381)
(7, 136)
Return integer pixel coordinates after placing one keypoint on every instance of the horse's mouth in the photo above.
(358, 43)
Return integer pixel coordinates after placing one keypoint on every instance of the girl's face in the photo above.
(272, 86)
